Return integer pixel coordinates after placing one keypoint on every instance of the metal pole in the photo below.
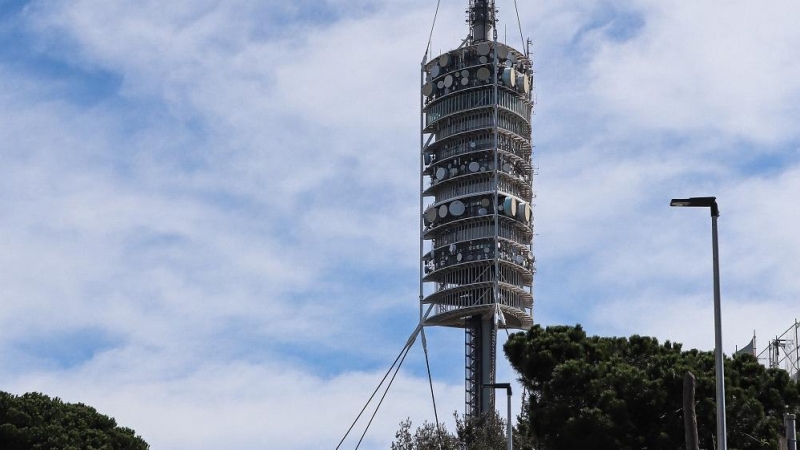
(791, 436)
(722, 437)
(509, 436)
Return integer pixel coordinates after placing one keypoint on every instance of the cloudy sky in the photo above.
(209, 208)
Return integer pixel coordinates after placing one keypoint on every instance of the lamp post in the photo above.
(711, 203)
(507, 387)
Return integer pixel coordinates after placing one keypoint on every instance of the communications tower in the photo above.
(476, 227)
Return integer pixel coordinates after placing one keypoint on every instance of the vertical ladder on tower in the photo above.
(472, 340)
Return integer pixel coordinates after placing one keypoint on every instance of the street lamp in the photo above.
(507, 387)
(711, 203)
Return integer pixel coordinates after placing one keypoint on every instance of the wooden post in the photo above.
(689, 416)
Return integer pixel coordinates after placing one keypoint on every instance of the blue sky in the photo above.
(208, 209)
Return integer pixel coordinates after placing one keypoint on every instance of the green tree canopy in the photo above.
(34, 421)
(626, 393)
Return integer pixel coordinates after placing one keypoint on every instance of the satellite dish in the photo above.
(457, 208)
(509, 77)
(448, 81)
(472, 144)
(427, 89)
(474, 167)
(512, 57)
(465, 73)
(441, 173)
(510, 206)
(507, 168)
(483, 60)
(482, 212)
(502, 52)
(444, 60)
(443, 211)
(430, 215)
(526, 84)
(464, 81)
(483, 48)
(483, 74)
(435, 71)
(528, 213)
(440, 85)
(521, 211)
(459, 257)
(485, 202)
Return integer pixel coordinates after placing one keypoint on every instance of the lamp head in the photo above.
(703, 202)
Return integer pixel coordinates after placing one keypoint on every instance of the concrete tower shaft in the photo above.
(476, 261)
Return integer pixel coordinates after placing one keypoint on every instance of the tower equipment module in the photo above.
(476, 227)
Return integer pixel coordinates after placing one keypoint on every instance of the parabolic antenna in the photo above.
(474, 167)
(443, 211)
(430, 215)
(510, 206)
(457, 208)
(441, 173)
(435, 71)
(448, 81)
(483, 48)
(509, 77)
(444, 60)
(427, 89)
(502, 52)
(483, 74)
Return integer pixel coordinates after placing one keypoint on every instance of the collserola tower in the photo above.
(476, 258)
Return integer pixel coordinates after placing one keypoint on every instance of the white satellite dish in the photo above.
(430, 215)
(457, 208)
(444, 60)
(509, 77)
(427, 89)
(483, 74)
(443, 211)
(448, 81)
(474, 167)
(435, 71)
(483, 48)
(441, 173)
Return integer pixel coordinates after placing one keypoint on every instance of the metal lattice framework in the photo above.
(783, 352)
(476, 258)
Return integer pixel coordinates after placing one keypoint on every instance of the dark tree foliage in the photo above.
(626, 393)
(34, 421)
(482, 433)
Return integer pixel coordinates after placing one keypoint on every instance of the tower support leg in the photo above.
(481, 344)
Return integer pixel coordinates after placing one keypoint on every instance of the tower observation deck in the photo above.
(476, 231)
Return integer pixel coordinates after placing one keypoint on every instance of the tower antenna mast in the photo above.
(476, 193)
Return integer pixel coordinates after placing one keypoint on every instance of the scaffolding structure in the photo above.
(782, 352)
